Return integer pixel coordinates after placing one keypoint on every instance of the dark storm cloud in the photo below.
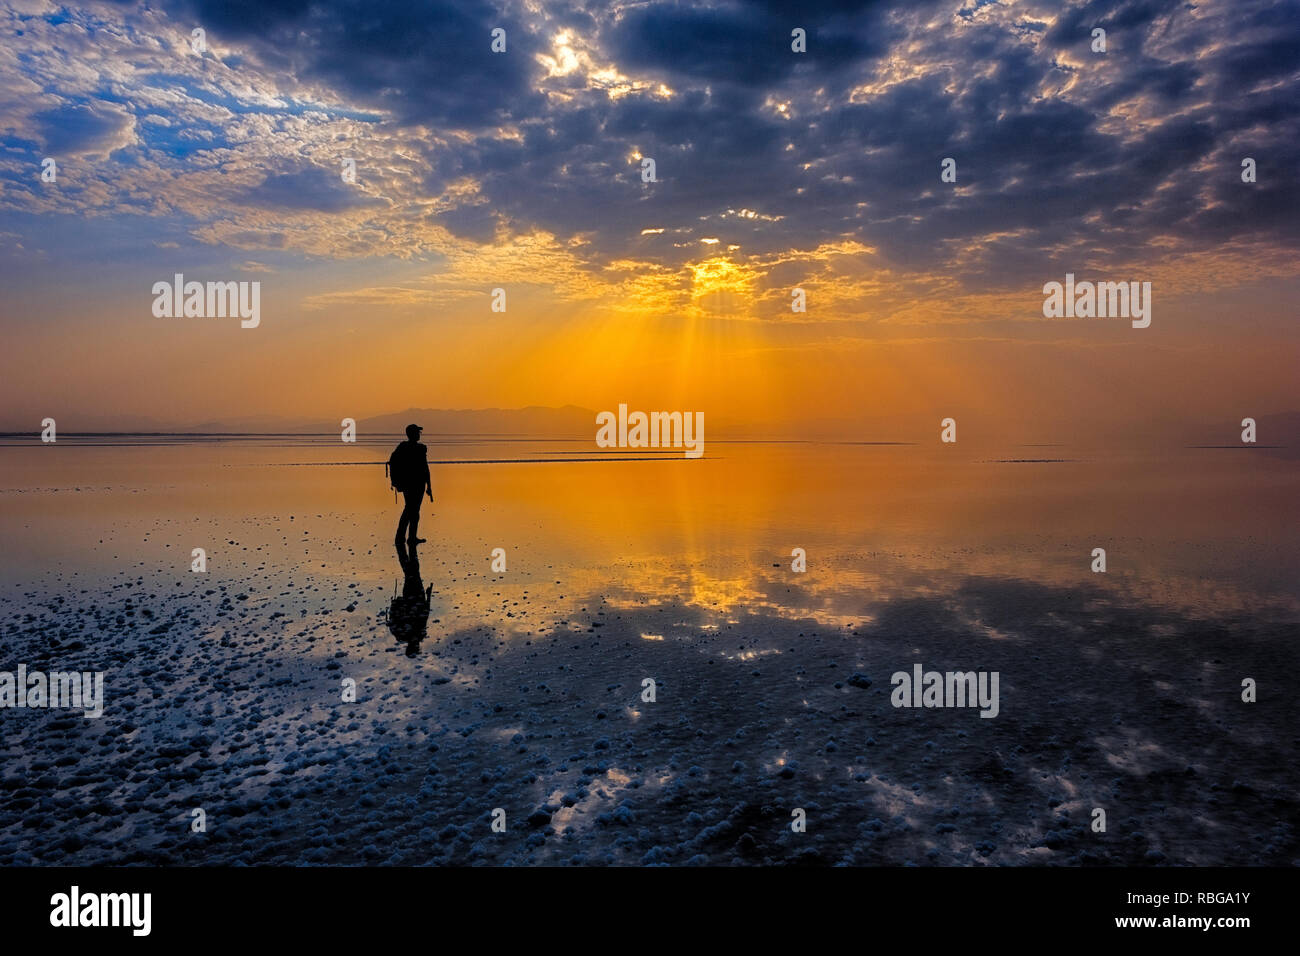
(427, 63)
(306, 189)
(248, 18)
(1128, 18)
(478, 223)
(83, 128)
(744, 43)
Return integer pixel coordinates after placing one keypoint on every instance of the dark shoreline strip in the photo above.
(453, 461)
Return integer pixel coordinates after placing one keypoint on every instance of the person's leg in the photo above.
(412, 515)
(403, 521)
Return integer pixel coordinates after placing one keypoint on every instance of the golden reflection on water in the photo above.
(1196, 529)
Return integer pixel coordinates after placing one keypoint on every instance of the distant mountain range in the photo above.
(570, 421)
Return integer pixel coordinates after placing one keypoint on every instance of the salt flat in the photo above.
(523, 692)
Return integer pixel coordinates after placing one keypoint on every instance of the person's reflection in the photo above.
(408, 615)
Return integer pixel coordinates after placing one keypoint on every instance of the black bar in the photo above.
(333, 905)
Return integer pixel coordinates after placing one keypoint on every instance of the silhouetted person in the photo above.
(408, 615)
(408, 472)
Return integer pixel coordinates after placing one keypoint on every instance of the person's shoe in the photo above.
(416, 540)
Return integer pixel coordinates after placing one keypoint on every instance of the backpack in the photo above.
(401, 467)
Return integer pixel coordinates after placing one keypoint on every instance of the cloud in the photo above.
(307, 189)
(92, 129)
(745, 43)
(1065, 158)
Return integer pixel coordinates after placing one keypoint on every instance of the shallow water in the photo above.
(523, 690)
(1204, 528)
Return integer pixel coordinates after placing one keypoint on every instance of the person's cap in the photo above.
(413, 429)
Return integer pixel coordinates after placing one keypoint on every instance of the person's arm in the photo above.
(428, 478)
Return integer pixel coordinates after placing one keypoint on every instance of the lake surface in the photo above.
(523, 691)
(1210, 529)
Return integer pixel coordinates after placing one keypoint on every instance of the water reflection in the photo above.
(408, 613)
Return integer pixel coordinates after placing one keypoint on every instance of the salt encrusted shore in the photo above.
(228, 699)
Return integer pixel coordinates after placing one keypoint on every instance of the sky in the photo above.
(774, 170)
